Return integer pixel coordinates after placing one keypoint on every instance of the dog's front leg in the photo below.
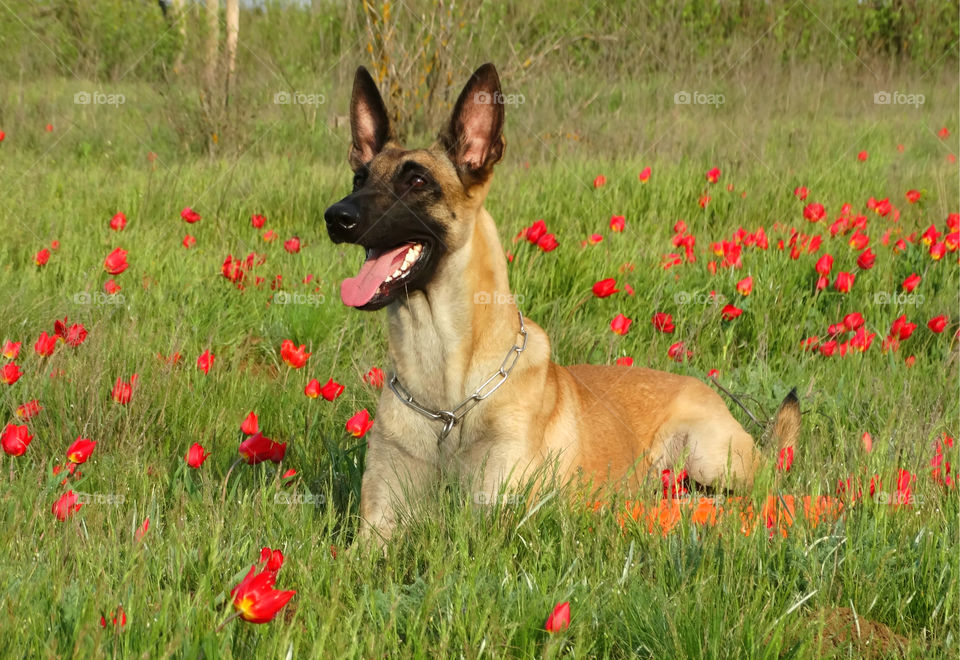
(392, 478)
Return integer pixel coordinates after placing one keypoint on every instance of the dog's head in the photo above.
(411, 208)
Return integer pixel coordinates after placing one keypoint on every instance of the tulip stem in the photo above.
(228, 620)
(223, 492)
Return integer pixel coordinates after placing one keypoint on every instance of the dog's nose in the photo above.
(342, 216)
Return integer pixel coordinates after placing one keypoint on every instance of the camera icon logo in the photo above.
(681, 98)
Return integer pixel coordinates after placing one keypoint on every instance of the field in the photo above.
(164, 543)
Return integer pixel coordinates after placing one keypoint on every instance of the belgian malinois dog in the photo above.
(473, 386)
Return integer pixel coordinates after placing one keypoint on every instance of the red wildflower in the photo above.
(66, 506)
(116, 261)
(255, 598)
(866, 259)
(292, 245)
(677, 353)
(359, 424)
(123, 390)
(785, 459)
(913, 196)
(618, 223)
(196, 455)
(258, 448)
(663, 322)
(11, 349)
(257, 220)
(644, 175)
(911, 282)
(844, 282)
(45, 344)
(713, 175)
(80, 450)
(814, 212)
(559, 619)
(800, 192)
(189, 241)
(15, 439)
(599, 181)
(189, 215)
(937, 323)
(29, 409)
(730, 312)
(605, 288)
(43, 256)
(293, 356)
(331, 390)
(548, 243)
(745, 286)
(625, 362)
(118, 222)
(205, 361)
(853, 320)
(620, 325)
(312, 389)
(374, 377)
(10, 373)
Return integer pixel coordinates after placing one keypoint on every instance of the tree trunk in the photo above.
(233, 32)
(178, 18)
(212, 50)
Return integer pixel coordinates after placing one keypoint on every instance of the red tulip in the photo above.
(704, 201)
(625, 361)
(118, 222)
(189, 241)
(250, 425)
(15, 439)
(141, 530)
(29, 409)
(713, 373)
(255, 598)
(272, 560)
(677, 352)
(43, 256)
(559, 619)
(593, 239)
(729, 312)
(292, 245)
(111, 287)
(713, 175)
(620, 324)
(76, 335)
(911, 282)
(116, 261)
(359, 424)
(548, 243)
(80, 450)
(663, 322)
(189, 215)
(866, 260)
(913, 196)
(824, 264)
(862, 340)
(862, 156)
(844, 282)
(123, 390)
(801, 192)
(853, 320)
(331, 390)
(205, 361)
(312, 389)
(257, 220)
(293, 356)
(10, 374)
(937, 323)
(599, 181)
(269, 235)
(45, 344)
(644, 175)
(605, 288)
(867, 441)
(258, 448)
(118, 618)
(814, 212)
(785, 459)
(618, 223)
(11, 349)
(66, 506)
(536, 231)
(943, 133)
(374, 377)
(828, 348)
(745, 286)
(196, 455)
(937, 251)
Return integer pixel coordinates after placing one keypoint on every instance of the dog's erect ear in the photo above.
(473, 138)
(369, 123)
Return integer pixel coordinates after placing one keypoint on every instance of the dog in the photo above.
(473, 385)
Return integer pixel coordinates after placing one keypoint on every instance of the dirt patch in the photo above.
(842, 632)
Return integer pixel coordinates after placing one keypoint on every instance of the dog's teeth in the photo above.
(389, 279)
(397, 273)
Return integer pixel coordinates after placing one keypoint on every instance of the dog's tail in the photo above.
(786, 423)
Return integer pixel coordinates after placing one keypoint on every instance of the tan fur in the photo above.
(603, 424)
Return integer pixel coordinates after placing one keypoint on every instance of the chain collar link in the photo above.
(454, 416)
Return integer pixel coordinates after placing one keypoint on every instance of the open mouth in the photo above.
(384, 272)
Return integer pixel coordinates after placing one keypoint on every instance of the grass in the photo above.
(462, 580)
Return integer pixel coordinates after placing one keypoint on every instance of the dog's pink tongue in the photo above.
(357, 291)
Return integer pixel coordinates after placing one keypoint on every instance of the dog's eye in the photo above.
(417, 181)
(358, 180)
